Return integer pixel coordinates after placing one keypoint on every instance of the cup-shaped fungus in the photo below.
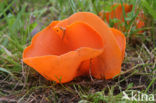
(78, 45)
(117, 13)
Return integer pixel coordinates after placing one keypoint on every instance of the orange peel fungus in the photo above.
(79, 45)
(118, 14)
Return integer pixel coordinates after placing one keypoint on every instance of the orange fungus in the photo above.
(117, 12)
(78, 45)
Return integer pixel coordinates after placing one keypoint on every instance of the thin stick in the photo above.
(90, 64)
(63, 29)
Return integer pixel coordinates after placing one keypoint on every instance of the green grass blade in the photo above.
(124, 13)
(6, 71)
(149, 8)
(73, 6)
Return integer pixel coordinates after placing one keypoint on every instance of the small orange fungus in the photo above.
(117, 12)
